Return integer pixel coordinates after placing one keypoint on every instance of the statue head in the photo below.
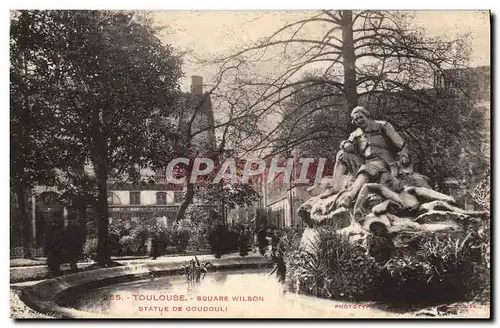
(360, 117)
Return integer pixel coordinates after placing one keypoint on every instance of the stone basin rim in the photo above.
(47, 296)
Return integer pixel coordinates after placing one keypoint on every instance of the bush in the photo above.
(114, 244)
(191, 231)
(443, 268)
(131, 245)
(129, 237)
(232, 237)
(337, 269)
(180, 239)
(90, 249)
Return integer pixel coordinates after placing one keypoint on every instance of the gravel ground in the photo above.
(19, 310)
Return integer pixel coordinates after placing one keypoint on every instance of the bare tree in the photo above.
(379, 59)
(232, 127)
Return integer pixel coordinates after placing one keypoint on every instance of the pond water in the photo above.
(230, 294)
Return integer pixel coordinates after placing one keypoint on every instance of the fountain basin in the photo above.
(51, 296)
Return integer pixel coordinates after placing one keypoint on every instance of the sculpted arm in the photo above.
(397, 140)
(349, 145)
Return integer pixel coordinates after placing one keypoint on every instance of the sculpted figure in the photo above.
(373, 168)
(370, 152)
(409, 202)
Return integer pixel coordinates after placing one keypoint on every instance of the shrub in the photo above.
(336, 269)
(442, 268)
(90, 249)
(193, 227)
(231, 240)
(114, 244)
(129, 237)
(131, 245)
(181, 240)
(140, 233)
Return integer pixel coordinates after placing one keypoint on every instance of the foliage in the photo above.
(443, 268)
(129, 237)
(337, 269)
(223, 239)
(288, 239)
(180, 240)
(131, 244)
(196, 223)
(101, 78)
(90, 249)
(482, 192)
(195, 271)
(125, 67)
(231, 194)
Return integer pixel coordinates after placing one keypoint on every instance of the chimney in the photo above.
(196, 85)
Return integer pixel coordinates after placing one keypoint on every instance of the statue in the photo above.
(374, 169)
(411, 201)
(371, 153)
(322, 202)
(408, 209)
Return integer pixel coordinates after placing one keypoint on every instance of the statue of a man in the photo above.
(370, 152)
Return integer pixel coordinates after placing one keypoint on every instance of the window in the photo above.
(161, 198)
(135, 198)
(49, 198)
(113, 199)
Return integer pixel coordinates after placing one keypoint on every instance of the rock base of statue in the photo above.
(403, 231)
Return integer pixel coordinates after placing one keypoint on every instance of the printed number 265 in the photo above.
(115, 298)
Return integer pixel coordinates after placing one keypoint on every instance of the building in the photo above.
(153, 198)
(279, 200)
(136, 202)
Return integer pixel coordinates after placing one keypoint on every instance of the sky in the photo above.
(209, 33)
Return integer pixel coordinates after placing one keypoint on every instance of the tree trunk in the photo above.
(223, 212)
(100, 161)
(103, 256)
(24, 220)
(189, 193)
(349, 57)
(82, 217)
(187, 201)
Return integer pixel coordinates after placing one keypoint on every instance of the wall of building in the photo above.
(148, 197)
(281, 210)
